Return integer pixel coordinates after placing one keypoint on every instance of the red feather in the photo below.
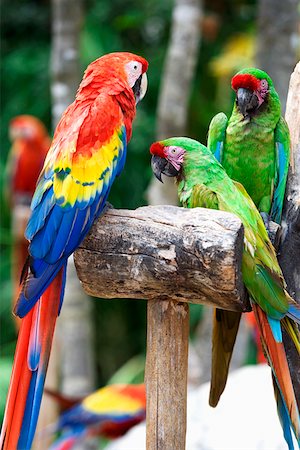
(157, 149)
(21, 375)
(276, 356)
(245, 81)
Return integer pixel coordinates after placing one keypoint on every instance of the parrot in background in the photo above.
(87, 152)
(203, 182)
(30, 143)
(109, 412)
(253, 146)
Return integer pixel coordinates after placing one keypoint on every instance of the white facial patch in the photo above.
(133, 70)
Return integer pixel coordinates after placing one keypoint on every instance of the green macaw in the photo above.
(203, 182)
(253, 146)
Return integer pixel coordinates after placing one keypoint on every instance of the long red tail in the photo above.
(284, 391)
(29, 369)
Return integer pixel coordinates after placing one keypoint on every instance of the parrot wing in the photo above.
(282, 142)
(216, 135)
(225, 323)
(72, 190)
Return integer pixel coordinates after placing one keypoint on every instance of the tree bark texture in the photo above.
(65, 63)
(191, 255)
(177, 78)
(278, 23)
(289, 251)
(166, 374)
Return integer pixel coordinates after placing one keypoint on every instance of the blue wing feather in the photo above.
(282, 149)
(217, 134)
(62, 236)
(219, 151)
(282, 163)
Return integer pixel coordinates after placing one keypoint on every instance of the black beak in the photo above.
(247, 101)
(161, 165)
(137, 87)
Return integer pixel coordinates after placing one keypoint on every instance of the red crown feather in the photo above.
(245, 81)
(157, 149)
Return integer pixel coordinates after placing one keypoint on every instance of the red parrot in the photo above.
(87, 152)
(109, 412)
(30, 143)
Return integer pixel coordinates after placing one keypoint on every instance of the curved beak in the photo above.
(160, 165)
(247, 101)
(140, 87)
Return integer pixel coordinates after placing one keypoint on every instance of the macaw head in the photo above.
(253, 88)
(27, 128)
(169, 157)
(116, 73)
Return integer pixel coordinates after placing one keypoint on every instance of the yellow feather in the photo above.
(108, 400)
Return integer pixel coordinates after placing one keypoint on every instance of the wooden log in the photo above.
(289, 250)
(190, 255)
(166, 374)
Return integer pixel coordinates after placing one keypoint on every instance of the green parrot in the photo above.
(202, 181)
(254, 148)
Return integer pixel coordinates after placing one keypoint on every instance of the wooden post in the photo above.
(170, 256)
(166, 374)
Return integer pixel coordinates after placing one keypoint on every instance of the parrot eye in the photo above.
(175, 151)
(264, 84)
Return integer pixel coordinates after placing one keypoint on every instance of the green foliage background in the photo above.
(109, 25)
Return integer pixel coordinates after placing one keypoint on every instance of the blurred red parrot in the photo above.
(30, 143)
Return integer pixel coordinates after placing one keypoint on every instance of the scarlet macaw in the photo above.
(87, 152)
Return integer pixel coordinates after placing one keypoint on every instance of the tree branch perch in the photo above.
(189, 255)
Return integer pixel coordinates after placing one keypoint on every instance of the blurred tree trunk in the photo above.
(74, 326)
(278, 39)
(65, 64)
(71, 367)
(177, 78)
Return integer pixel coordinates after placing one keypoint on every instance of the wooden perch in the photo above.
(170, 256)
(189, 255)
